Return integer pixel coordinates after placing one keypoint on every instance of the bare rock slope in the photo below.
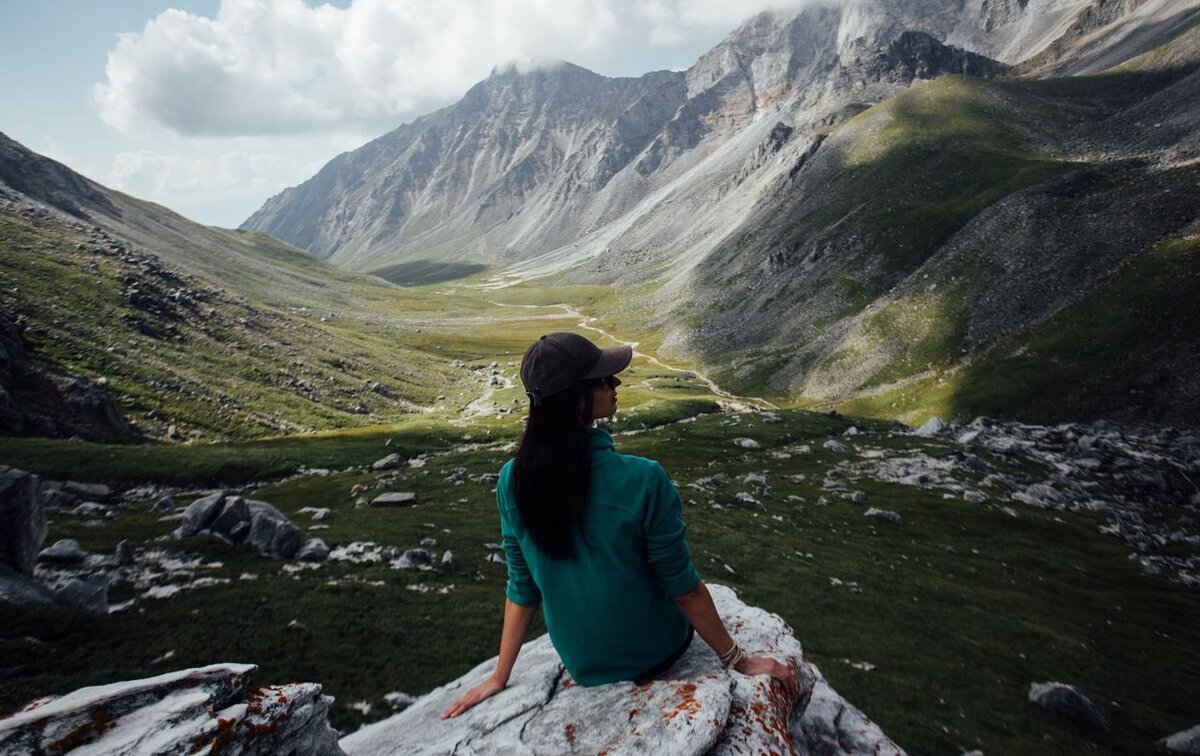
(695, 707)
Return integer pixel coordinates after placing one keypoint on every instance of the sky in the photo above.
(210, 107)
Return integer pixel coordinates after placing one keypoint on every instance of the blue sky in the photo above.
(211, 106)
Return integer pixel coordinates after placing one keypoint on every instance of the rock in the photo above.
(124, 554)
(396, 499)
(834, 445)
(695, 707)
(398, 702)
(448, 562)
(930, 428)
(92, 509)
(313, 550)
(388, 462)
(273, 536)
(200, 514)
(92, 491)
(22, 519)
(859, 497)
(319, 514)
(296, 626)
(234, 512)
(19, 589)
(968, 437)
(883, 514)
(66, 551)
(747, 443)
(429, 542)
(974, 497)
(1185, 741)
(207, 709)
(1067, 701)
(418, 556)
(89, 595)
(165, 505)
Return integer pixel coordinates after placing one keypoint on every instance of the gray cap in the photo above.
(556, 360)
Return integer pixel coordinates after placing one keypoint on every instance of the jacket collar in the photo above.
(599, 439)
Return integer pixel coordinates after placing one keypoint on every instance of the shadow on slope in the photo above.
(420, 272)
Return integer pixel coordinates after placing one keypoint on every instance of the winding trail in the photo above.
(732, 401)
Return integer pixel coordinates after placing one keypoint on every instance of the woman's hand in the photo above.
(480, 692)
(761, 665)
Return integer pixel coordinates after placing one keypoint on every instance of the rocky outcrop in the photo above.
(209, 709)
(695, 707)
(238, 520)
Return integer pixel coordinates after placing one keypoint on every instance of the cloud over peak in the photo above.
(263, 67)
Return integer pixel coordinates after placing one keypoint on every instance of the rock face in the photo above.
(695, 707)
(211, 709)
(22, 521)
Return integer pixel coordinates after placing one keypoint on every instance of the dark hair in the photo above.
(553, 469)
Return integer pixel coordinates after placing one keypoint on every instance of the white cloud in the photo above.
(283, 66)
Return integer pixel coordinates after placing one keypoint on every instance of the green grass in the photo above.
(960, 609)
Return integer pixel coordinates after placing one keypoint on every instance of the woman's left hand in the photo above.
(480, 692)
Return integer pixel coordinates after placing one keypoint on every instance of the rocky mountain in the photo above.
(122, 321)
(893, 193)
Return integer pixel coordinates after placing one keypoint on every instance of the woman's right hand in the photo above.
(761, 665)
(480, 692)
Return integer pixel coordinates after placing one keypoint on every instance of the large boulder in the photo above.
(695, 707)
(209, 709)
(200, 514)
(274, 537)
(66, 551)
(22, 519)
(238, 520)
(1067, 701)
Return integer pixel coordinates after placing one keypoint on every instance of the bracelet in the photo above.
(732, 657)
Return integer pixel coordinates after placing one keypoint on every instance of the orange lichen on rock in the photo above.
(687, 704)
(571, 733)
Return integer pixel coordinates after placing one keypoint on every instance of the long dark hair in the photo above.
(553, 469)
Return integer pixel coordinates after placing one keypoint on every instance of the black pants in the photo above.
(665, 664)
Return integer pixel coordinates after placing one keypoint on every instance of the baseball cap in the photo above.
(556, 360)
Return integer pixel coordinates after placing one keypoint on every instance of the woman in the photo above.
(595, 537)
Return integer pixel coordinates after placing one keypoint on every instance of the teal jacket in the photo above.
(608, 610)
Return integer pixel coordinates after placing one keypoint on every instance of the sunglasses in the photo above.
(611, 381)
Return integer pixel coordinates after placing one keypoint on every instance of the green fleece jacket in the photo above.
(608, 610)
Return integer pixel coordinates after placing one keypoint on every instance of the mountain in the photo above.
(891, 193)
(122, 321)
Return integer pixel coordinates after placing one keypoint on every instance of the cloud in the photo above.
(282, 66)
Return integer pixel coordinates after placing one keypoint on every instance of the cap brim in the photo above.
(612, 361)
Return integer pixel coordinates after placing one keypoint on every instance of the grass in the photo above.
(960, 609)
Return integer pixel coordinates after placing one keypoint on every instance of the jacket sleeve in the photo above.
(664, 530)
(520, 588)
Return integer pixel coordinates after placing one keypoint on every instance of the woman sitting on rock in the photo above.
(595, 537)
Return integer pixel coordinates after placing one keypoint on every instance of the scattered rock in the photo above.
(1067, 701)
(296, 626)
(124, 554)
(65, 551)
(91, 491)
(859, 497)
(395, 499)
(930, 428)
(313, 550)
(90, 595)
(883, 514)
(834, 445)
(747, 443)
(165, 505)
(448, 562)
(92, 509)
(1185, 741)
(387, 463)
(319, 514)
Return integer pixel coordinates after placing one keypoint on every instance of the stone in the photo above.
(398, 702)
(968, 437)
(124, 554)
(932, 427)
(275, 537)
(883, 514)
(859, 497)
(92, 491)
(747, 443)
(1067, 701)
(89, 595)
(19, 589)
(418, 556)
(834, 445)
(200, 514)
(22, 519)
(206, 709)
(1184, 741)
(318, 514)
(234, 512)
(448, 562)
(165, 505)
(92, 509)
(974, 497)
(313, 550)
(395, 499)
(695, 707)
(388, 462)
(296, 626)
(64, 552)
